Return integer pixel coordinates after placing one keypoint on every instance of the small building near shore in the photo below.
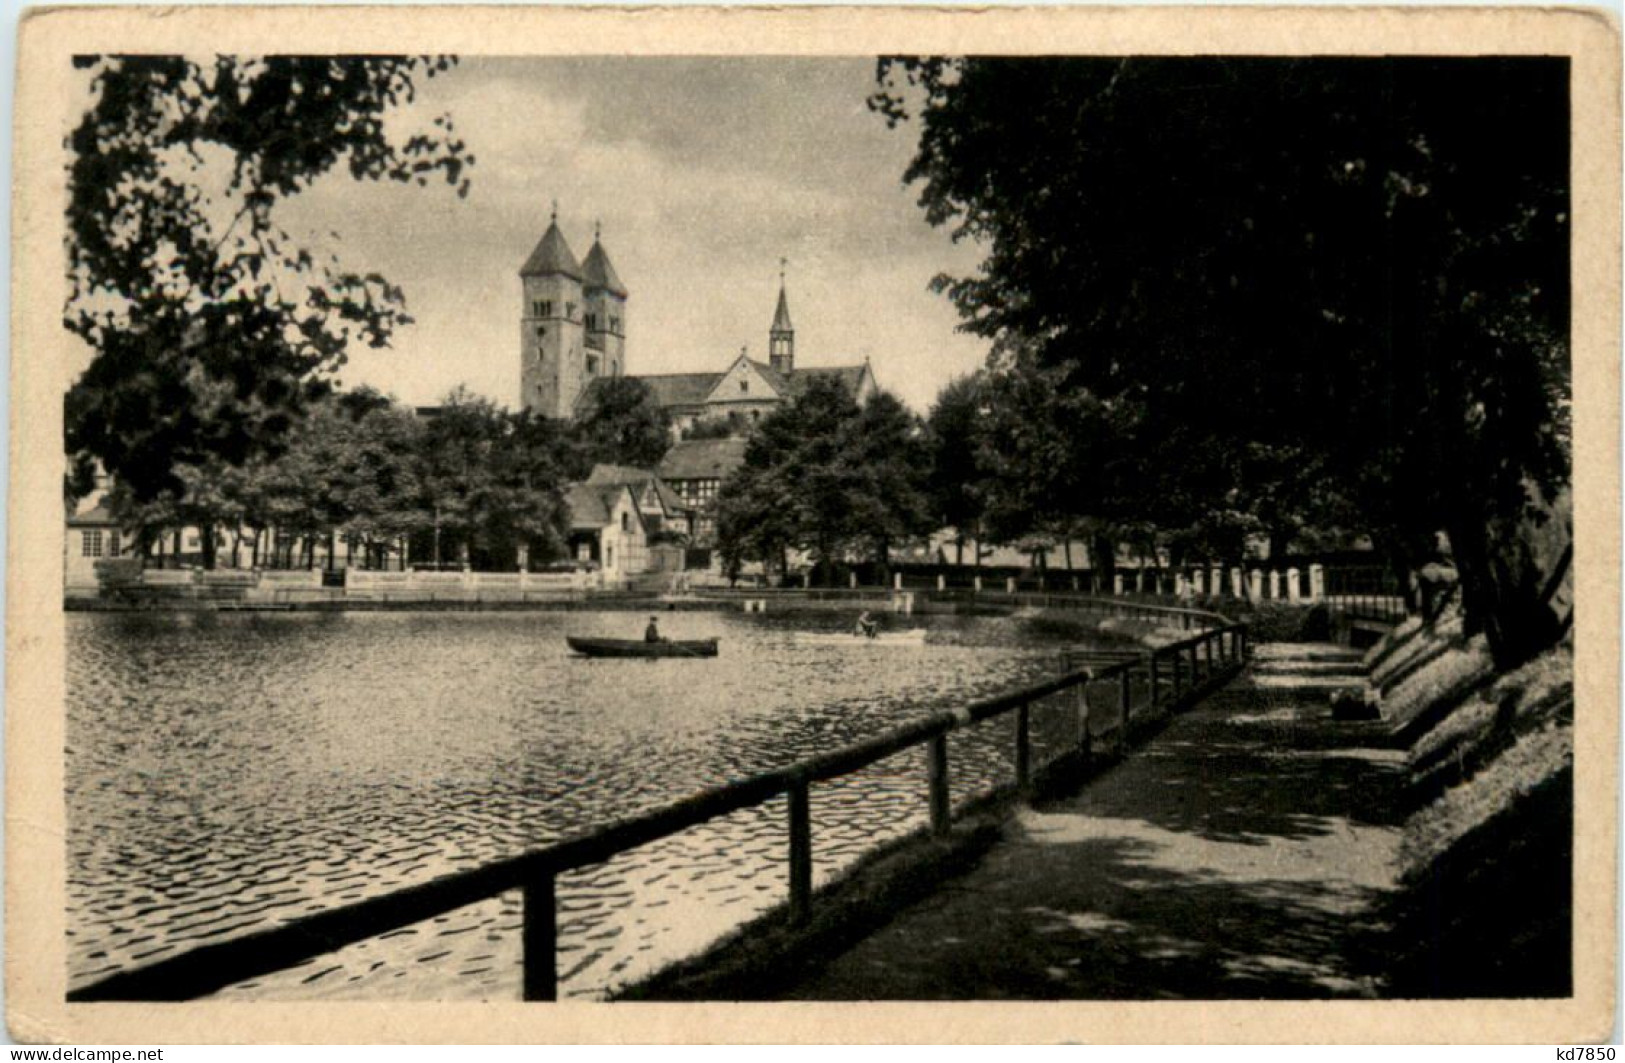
(695, 470)
(628, 522)
(606, 530)
(93, 535)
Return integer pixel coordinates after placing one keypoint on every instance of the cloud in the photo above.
(704, 173)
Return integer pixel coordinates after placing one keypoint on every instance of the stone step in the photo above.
(1308, 682)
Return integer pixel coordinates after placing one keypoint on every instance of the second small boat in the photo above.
(914, 637)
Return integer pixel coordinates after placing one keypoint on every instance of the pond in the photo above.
(226, 772)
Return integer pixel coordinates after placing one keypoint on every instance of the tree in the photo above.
(822, 473)
(959, 480)
(755, 517)
(455, 468)
(719, 427)
(622, 424)
(378, 475)
(1359, 303)
(532, 471)
(885, 448)
(491, 482)
(823, 488)
(211, 329)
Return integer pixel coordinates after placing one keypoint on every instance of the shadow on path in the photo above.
(1243, 852)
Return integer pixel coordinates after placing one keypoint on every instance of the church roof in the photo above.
(671, 390)
(848, 376)
(681, 389)
(552, 255)
(600, 273)
(781, 316)
(795, 381)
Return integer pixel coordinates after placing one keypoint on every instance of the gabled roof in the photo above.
(693, 389)
(600, 274)
(604, 473)
(780, 382)
(771, 376)
(589, 506)
(631, 476)
(552, 255)
(703, 459)
(97, 516)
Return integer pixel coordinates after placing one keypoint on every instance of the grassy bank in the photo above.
(1484, 903)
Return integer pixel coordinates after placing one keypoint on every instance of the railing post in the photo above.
(1151, 666)
(1207, 652)
(1024, 746)
(540, 938)
(1173, 662)
(800, 806)
(937, 776)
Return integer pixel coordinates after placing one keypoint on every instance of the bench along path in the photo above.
(1238, 853)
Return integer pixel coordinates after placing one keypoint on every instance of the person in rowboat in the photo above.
(652, 632)
(867, 627)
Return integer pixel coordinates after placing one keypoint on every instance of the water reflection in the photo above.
(228, 771)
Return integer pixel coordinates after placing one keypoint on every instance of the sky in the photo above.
(703, 174)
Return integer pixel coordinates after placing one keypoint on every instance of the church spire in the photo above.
(552, 253)
(599, 272)
(781, 337)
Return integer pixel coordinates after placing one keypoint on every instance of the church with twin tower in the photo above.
(572, 334)
(572, 323)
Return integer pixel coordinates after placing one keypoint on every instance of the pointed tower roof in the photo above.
(781, 316)
(600, 274)
(552, 254)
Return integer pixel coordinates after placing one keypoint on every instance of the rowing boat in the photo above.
(639, 648)
(914, 637)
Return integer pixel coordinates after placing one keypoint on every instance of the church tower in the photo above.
(552, 339)
(606, 313)
(781, 338)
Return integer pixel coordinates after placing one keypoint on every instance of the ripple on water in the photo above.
(226, 773)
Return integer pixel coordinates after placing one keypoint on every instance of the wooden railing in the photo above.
(1185, 618)
(1182, 671)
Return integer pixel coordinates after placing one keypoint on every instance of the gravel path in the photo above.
(1239, 853)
